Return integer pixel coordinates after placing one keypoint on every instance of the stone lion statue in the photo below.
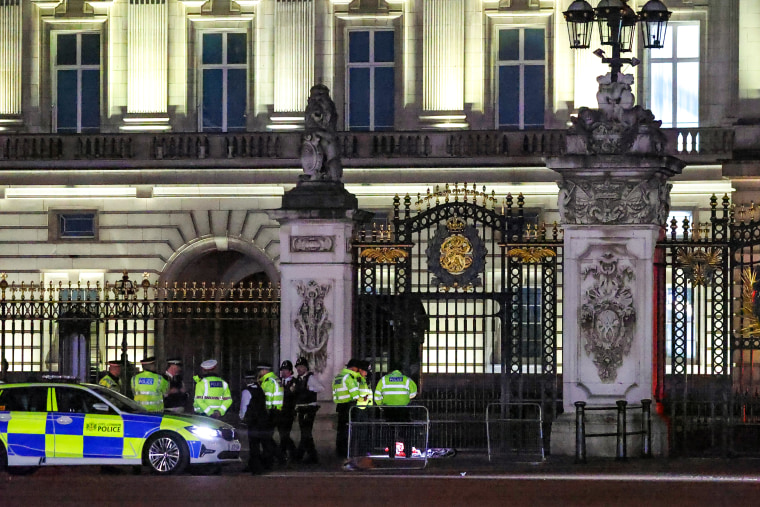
(320, 151)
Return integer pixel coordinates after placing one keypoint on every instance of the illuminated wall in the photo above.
(293, 54)
(148, 56)
(443, 59)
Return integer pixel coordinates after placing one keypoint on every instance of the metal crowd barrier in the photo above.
(621, 433)
(515, 432)
(391, 437)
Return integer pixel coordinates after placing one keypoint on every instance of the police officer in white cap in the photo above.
(212, 394)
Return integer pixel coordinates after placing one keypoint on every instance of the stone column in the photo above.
(614, 199)
(10, 65)
(317, 221)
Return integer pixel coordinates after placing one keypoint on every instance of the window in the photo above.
(76, 401)
(674, 77)
(371, 80)
(224, 81)
(72, 225)
(521, 70)
(76, 76)
(26, 399)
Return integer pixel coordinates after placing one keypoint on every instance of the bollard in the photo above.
(580, 432)
(621, 430)
(646, 422)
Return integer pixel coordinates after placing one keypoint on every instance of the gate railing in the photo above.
(75, 328)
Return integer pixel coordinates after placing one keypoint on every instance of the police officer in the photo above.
(212, 394)
(365, 391)
(305, 392)
(285, 421)
(254, 413)
(176, 398)
(345, 391)
(274, 398)
(112, 378)
(394, 391)
(149, 387)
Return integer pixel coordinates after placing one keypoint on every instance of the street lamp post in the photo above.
(617, 28)
(123, 289)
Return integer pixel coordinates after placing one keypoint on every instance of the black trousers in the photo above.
(262, 450)
(341, 436)
(284, 427)
(306, 448)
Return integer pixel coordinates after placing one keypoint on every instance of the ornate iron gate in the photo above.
(464, 297)
(75, 329)
(709, 350)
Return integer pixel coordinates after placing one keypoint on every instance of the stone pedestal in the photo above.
(317, 278)
(612, 208)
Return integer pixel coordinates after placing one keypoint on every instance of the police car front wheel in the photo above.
(166, 453)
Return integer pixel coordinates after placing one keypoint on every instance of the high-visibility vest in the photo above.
(345, 387)
(149, 390)
(109, 382)
(272, 391)
(212, 394)
(365, 393)
(395, 389)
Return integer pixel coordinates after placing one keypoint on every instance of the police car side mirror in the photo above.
(101, 407)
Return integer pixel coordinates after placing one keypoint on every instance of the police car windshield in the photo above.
(119, 401)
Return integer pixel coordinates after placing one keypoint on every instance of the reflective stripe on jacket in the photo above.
(395, 389)
(345, 387)
(212, 394)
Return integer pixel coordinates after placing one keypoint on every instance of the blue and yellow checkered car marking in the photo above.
(78, 435)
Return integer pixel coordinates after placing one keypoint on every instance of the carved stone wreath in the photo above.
(607, 314)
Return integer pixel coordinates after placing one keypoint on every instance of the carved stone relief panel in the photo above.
(312, 243)
(611, 201)
(312, 324)
(607, 313)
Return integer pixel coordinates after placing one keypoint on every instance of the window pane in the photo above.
(66, 102)
(384, 93)
(212, 100)
(236, 95)
(66, 52)
(667, 49)
(90, 49)
(384, 46)
(77, 225)
(358, 47)
(212, 48)
(509, 96)
(687, 94)
(509, 44)
(534, 96)
(662, 93)
(236, 48)
(534, 44)
(358, 101)
(687, 41)
(90, 99)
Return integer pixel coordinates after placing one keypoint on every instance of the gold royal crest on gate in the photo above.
(456, 255)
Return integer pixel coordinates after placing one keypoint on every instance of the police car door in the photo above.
(86, 428)
(23, 421)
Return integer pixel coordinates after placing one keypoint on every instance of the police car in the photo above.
(84, 424)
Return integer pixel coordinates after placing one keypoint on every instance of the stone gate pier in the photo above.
(614, 200)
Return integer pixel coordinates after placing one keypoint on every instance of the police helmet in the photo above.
(286, 365)
(302, 362)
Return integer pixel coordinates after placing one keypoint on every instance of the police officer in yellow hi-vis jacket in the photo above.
(394, 392)
(148, 387)
(346, 394)
(212, 394)
(112, 378)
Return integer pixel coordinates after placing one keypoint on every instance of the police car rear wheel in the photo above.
(167, 454)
